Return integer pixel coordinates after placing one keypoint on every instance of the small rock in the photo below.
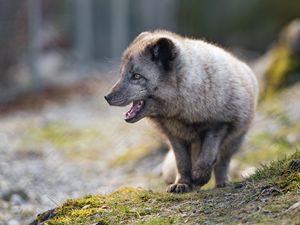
(86, 206)
(13, 222)
(293, 138)
(148, 210)
(10, 193)
(294, 206)
(264, 200)
(248, 171)
(266, 211)
(15, 209)
(27, 210)
(16, 199)
(4, 205)
(238, 185)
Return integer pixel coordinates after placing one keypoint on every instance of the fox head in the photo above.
(148, 77)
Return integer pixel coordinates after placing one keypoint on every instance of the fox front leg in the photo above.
(203, 166)
(183, 182)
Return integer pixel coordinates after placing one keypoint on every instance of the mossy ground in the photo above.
(264, 198)
(284, 65)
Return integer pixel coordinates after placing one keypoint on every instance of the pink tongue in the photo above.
(135, 108)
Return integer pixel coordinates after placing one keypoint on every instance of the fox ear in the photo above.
(163, 52)
(141, 36)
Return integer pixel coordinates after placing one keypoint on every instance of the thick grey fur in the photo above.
(201, 97)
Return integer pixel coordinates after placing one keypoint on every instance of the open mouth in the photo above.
(136, 107)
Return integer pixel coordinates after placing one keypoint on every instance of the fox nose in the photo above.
(107, 98)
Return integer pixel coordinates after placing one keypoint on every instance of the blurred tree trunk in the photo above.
(119, 27)
(12, 27)
(84, 33)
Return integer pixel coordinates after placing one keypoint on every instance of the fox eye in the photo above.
(136, 76)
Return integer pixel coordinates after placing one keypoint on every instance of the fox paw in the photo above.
(201, 176)
(222, 184)
(179, 188)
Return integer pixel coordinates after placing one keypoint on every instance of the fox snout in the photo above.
(116, 99)
(113, 100)
(116, 96)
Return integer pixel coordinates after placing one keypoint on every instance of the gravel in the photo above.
(37, 174)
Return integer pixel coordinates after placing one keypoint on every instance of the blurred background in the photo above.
(59, 139)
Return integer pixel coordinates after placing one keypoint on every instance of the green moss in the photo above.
(283, 173)
(274, 108)
(121, 207)
(258, 200)
(290, 182)
(275, 169)
(266, 144)
(133, 154)
(263, 147)
(75, 143)
(64, 136)
(157, 220)
(278, 69)
(283, 64)
(290, 179)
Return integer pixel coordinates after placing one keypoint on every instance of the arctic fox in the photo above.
(200, 96)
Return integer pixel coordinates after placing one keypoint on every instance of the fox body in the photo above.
(200, 96)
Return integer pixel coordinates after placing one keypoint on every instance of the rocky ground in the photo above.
(67, 142)
(68, 146)
(270, 196)
(74, 144)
